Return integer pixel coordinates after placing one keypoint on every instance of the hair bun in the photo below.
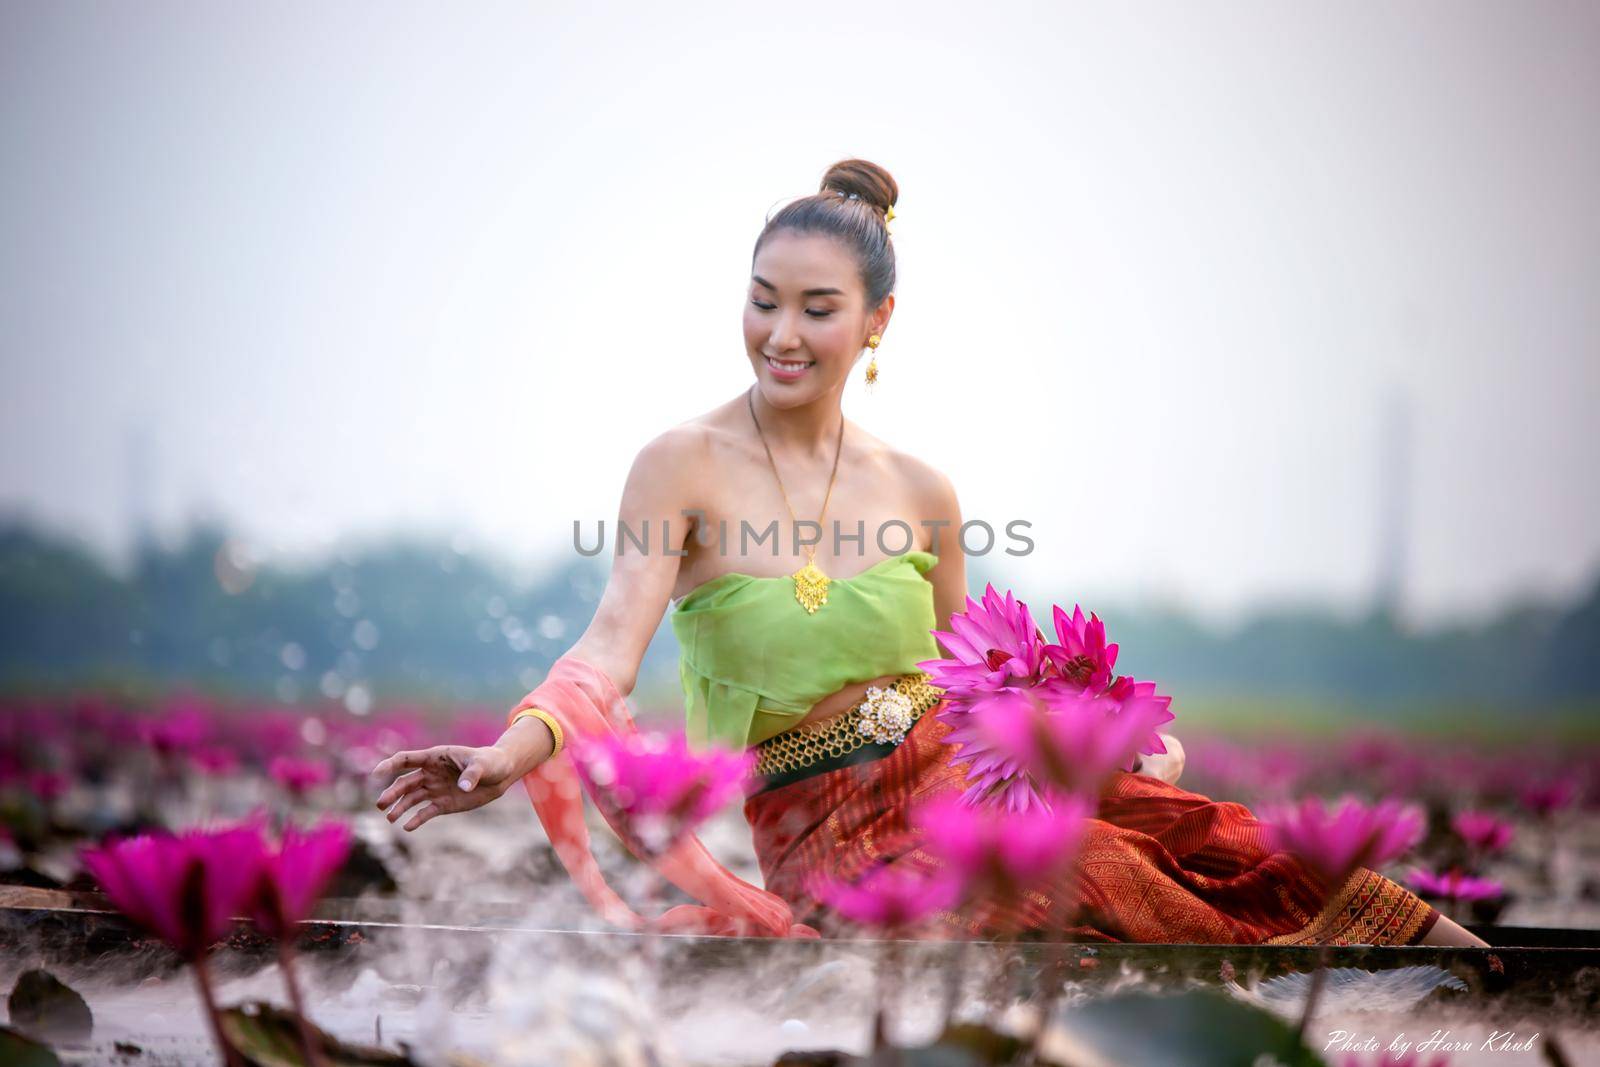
(830, 212)
(863, 179)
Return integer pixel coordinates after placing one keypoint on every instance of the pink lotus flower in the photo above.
(662, 788)
(1004, 853)
(998, 652)
(1081, 654)
(995, 644)
(186, 888)
(1453, 885)
(47, 785)
(888, 897)
(1333, 844)
(183, 727)
(998, 649)
(299, 776)
(995, 771)
(214, 760)
(1265, 769)
(1371, 749)
(1070, 739)
(1483, 831)
(271, 733)
(1143, 696)
(294, 874)
(1546, 798)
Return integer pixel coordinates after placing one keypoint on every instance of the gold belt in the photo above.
(882, 716)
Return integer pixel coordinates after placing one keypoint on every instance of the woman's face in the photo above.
(805, 323)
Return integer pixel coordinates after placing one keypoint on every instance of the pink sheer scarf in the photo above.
(588, 705)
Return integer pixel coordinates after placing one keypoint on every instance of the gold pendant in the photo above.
(810, 587)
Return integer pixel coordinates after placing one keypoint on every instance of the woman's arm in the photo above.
(657, 492)
(453, 778)
(949, 575)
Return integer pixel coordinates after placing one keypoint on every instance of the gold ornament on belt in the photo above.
(884, 716)
(810, 583)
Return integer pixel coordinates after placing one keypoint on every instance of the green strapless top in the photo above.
(754, 662)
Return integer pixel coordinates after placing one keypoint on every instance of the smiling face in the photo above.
(805, 319)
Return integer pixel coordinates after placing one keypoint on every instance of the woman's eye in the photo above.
(815, 313)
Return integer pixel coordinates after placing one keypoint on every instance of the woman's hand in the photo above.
(1167, 765)
(444, 779)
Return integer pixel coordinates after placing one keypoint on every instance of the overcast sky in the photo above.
(353, 268)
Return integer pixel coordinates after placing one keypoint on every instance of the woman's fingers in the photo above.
(398, 787)
(470, 777)
(410, 800)
(424, 813)
(432, 773)
(398, 762)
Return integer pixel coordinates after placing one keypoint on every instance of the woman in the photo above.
(790, 641)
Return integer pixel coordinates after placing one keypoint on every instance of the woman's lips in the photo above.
(788, 374)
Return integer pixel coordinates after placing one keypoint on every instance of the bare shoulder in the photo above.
(723, 432)
(933, 490)
(678, 457)
(677, 442)
(686, 441)
(663, 470)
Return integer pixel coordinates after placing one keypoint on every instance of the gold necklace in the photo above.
(810, 584)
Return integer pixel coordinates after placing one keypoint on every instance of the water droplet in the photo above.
(358, 699)
(365, 635)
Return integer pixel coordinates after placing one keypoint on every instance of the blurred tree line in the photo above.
(423, 621)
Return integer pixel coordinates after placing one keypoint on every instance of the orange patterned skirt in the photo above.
(1158, 863)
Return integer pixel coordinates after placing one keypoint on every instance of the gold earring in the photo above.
(872, 365)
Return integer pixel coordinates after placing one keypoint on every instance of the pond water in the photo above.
(507, 998)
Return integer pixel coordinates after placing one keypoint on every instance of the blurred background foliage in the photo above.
(431, 622)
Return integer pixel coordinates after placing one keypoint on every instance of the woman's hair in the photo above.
(851, 205)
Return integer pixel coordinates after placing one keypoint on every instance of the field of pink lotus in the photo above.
(199, 818)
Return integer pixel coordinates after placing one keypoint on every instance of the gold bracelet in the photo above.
(546, 718)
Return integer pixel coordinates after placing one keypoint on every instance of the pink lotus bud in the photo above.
(1483, 831)
(661, 789)
(294, 874)
(888, 897)
(1333, 844)
(186, 888)
(998, 852)
(1453, 885)
(299, 776)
